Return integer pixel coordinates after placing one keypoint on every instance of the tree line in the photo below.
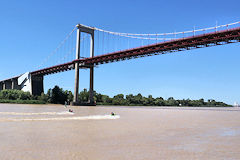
(59, 96)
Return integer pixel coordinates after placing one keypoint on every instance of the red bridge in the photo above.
(186, 43)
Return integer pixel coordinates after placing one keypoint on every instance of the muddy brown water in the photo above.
(37, 132)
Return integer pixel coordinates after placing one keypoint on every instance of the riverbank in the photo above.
(99, 105)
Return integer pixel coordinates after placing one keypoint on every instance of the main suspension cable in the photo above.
(162, 34)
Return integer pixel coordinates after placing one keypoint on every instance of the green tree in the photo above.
(118, 100)
(171, 102)
(44, 97)
(130, 99)
(159, 102)
(83, 96)
(58, 96)
(106, 99)
(69, 95)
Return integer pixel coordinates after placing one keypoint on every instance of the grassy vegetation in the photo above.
(59, 96)
(139, 100)
(56, 96)
(20, 97)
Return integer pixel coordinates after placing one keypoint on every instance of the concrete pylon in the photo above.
(76, 87)
(88, 30)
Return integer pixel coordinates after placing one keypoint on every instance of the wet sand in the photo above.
(48, 132)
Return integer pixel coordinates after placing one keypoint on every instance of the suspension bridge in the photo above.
(107, 47)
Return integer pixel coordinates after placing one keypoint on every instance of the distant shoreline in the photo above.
(124, 106)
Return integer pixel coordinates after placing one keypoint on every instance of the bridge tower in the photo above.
(88, 30)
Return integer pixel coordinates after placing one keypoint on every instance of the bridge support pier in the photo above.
(37, 85)
(76, 86)
(91, 94)
(29, 83)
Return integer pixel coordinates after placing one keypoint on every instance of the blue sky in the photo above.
(31, 30)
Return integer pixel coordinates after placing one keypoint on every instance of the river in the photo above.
(37, 132)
